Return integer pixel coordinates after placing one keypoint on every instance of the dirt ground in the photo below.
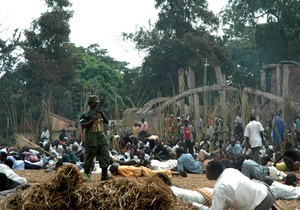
(193, 182)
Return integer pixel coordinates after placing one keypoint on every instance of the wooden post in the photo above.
(285, 80)
(273, 82)
(191, 84)
(221, 82)
(245, 112)
(205, 104)
(278, 80)
(263, 84)
(181, 89)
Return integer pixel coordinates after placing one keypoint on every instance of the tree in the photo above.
(50, 63)
(270, 41)
(97, 73)
(179, 39)
(8, 54)
(43, 79)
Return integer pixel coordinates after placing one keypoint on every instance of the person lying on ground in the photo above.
(274, 173)
(6, 183)
(17, 164)
(168, 165)
(9, 186)
(282, 191)
(296, 166)
(291, 155)
(186, 162)
(190, 196)
(291, 180)
(233, 189)
(11, 174)
(132, 171)
(251, 168)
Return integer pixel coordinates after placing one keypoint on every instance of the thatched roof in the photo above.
(59, 123)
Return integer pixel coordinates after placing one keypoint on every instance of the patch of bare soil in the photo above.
(193, 182)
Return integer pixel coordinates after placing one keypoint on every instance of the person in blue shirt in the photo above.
(186, 162)
(234, 148)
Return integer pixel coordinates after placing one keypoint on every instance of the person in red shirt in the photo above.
(188, 137)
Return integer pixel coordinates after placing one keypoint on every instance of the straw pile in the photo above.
(66, 190)
(207, 194)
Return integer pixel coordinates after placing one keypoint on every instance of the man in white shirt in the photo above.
(282, 191)
(238, 119)
(254, 137)
(233, 189)
(45, 136)
(11, 174)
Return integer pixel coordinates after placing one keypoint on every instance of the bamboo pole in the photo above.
(205, 102)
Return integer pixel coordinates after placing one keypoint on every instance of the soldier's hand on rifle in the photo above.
(94, 117)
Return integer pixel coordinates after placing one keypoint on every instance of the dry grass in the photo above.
(132, 192)
(66, 190)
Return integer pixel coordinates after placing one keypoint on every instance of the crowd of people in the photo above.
(242, 166)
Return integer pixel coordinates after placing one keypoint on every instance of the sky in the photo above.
(94, 21)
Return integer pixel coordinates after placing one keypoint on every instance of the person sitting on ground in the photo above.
(290, 155)
(186, 162)
(130, 171)
(190, 196)
(251, 168)
(205, 144)
(204, 155)
(160, 152)
(152, 139)
(234, 148)
(282, 191)
(233, 189)
(68, 155)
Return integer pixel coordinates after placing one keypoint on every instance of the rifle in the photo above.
(97, 109)
(99, 105)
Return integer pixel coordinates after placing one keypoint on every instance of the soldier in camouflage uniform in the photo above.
(95, 142)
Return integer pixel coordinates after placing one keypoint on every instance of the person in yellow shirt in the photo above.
(135, 131)
(133, 171)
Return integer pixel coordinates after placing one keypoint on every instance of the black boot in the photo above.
(104, 175)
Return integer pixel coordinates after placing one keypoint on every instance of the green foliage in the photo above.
(180, 39)
(99, 74)
(254, 42)
(8, 55)
(45, 75)
(56, 74)
(50, 63)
